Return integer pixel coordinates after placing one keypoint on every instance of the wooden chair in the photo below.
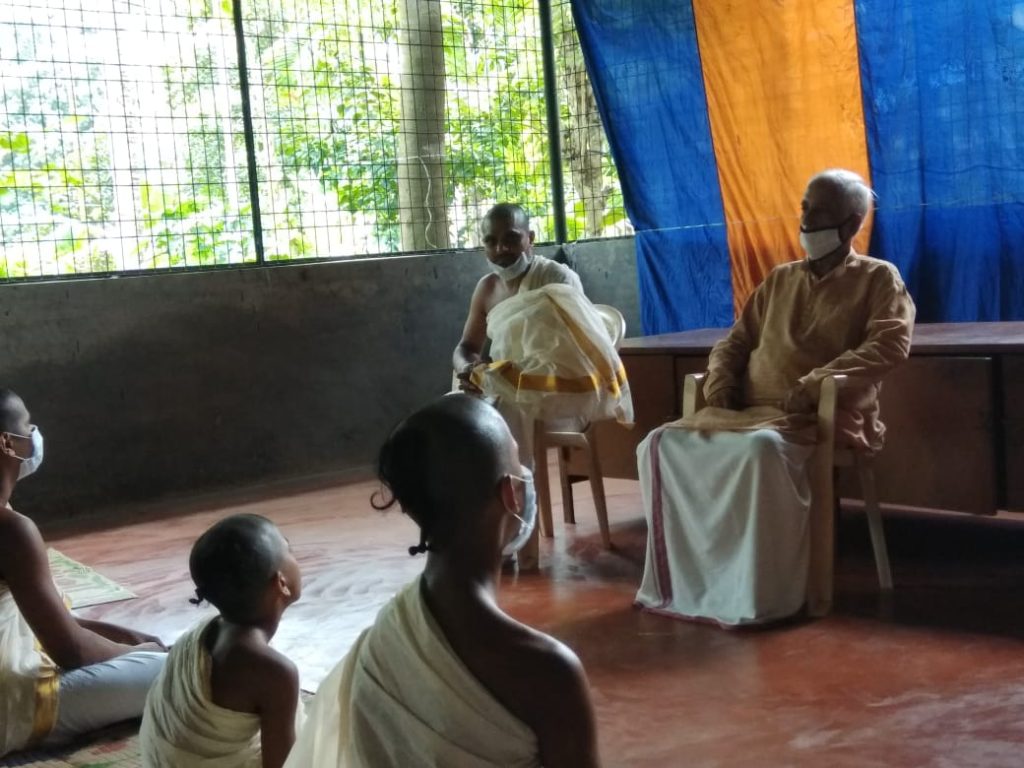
(825, 463)
(566, 442)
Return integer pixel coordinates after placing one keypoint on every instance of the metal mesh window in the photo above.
(374, 127)
(120, 139)
(593, 195)
(389, 125)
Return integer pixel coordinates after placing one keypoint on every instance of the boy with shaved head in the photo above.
(444, 677)
(227, 699)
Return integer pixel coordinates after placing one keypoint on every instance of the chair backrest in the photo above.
(613, 321)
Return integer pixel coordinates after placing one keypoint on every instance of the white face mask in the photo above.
(527, 516)
(30, 464)
(513, 270)
(820, 242)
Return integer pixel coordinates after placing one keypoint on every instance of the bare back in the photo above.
(535, 677)
(247, 675)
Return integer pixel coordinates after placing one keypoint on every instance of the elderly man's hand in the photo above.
(798, 400)
(723, 398)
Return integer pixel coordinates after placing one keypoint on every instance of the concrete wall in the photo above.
(169, 384)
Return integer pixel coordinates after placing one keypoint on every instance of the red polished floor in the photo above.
(932, 677)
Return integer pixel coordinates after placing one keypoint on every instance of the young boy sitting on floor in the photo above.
(226, 699)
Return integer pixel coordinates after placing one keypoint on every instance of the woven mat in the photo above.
(82, 585)
(114, 747)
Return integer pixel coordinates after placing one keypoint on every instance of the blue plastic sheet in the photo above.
(645, 68)
(943, 84)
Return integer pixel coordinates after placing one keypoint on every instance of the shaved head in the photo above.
(233, 563)
(510, 212)
(444, 463)
(12, 409)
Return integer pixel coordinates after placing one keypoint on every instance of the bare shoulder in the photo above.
(263, 661)
(247, 673)
(276, 679)
(18, 536)
(547, 689)
(486, 287)
(555, 667)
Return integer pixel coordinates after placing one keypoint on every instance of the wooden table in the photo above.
(954, 412)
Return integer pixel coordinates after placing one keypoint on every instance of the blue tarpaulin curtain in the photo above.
(943, 109)
(645, 67)
(944, 105)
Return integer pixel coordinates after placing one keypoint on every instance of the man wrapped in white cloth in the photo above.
(551, 356)
(553, 361)
(726, 491)
(444, 677)
(61, 676)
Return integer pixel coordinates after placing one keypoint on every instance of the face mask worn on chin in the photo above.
(527, 516)
(516, 269)
(30, 464)
(820, 242)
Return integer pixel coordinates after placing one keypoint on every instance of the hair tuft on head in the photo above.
(233, 563)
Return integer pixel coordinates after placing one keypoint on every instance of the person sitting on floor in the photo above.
(444, 676)
(226, 698)
(726, 491)
(60, 676)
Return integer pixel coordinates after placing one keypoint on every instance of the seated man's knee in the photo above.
(764, 443)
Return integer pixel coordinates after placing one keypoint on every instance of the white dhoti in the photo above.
(728, 524)
(403, 699)
(181, 726)
(554, 362)
(28, 681)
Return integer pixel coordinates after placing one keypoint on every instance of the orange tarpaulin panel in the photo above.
(784, 100)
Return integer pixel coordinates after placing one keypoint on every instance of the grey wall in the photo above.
(164, 384)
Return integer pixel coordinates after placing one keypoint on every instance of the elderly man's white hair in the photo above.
(851, 187)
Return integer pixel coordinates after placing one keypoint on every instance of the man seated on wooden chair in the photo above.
(553, 359)
(726, 491)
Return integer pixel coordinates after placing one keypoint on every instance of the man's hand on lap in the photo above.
(721, 399)
(465, 378)
(798, 400)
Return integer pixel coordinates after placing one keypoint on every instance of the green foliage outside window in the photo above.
(122, 141)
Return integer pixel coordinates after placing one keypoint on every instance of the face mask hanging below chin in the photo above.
(820, 243)
(527, 516)
(516, 269)
(30, 464)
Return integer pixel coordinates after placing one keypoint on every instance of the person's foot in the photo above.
(528, 564)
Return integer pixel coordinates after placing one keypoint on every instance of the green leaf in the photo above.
(15, 142)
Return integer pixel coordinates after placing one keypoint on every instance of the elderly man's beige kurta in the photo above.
(726, 492)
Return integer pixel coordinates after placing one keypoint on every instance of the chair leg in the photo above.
(542, 484)
(568, 509)
(874, 516)
(597, 487)
(822, 535)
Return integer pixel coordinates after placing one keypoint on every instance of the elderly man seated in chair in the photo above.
(552, 360)
(726, 490)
